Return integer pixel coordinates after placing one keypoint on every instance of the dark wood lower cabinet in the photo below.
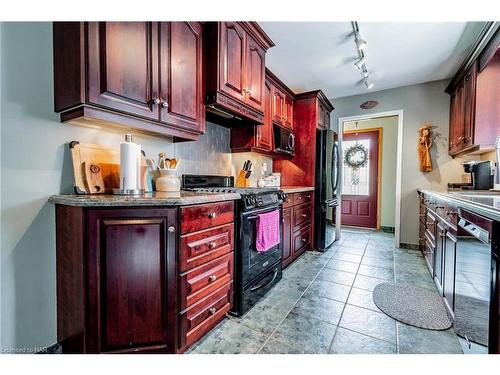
(127, 281)
(116, 280)
(297, 226)
(438, 243)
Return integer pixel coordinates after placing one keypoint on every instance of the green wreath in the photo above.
(356, 156)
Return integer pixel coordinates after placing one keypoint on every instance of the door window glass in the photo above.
(356, 179)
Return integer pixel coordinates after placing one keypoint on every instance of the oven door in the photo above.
(253, 262)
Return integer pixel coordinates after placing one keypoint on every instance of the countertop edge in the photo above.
(475, 207)
(296, 189)
(120, 201)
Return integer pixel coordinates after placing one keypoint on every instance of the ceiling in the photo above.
(312, 55)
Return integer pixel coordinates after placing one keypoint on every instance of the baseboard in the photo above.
(408, 246)
(387, 229)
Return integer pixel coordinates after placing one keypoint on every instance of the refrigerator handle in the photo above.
(335, 163)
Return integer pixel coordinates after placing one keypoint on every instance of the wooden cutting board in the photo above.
(97, 168)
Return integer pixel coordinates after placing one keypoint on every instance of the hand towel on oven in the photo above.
(268, 230)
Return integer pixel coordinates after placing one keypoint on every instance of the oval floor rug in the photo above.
(412, 305)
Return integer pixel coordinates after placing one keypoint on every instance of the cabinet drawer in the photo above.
(203, 316)
(201, 247)
(205, 279)
(430, 227)
(422, 213)
(301, 214)
(302, 239)
(289, 201)
(304, 197)
(203, 216)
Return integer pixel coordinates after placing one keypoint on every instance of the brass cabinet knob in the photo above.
(212, 245)
(303, 215)
(164, 104)
(155, 101)
(212, 310)
(212, 215)
(171, 229)
(212, 278)
(304, 240)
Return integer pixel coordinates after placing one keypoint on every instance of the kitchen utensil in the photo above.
(241, 179)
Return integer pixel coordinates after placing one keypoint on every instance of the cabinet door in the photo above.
(288, 113)
(131, 279)
(452, 136)
(439, 255)
(327, 119)
(277, 105)
(458, 134)
(287, 236)
(469, 105)
(123, 67)
(255, 74)
(232, 60)
(181, 78)
(264, 132)
(450, 248)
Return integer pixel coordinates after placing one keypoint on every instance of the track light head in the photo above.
(359, 64)
(368, 84)
(360, 43)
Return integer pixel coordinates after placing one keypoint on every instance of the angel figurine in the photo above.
(424, 145)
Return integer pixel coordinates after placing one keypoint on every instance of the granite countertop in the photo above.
(296, 189)
(486, 203)
(182, 198)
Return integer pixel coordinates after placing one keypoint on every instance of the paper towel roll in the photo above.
(138, 171)
(128, 164)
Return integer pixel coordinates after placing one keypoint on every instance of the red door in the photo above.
(360, 184)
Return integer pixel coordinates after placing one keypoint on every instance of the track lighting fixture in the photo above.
(359, 64)
(360, 43)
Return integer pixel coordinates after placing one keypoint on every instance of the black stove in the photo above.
(255, 272)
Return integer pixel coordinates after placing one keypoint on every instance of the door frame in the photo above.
(379, 166)
(399, 165)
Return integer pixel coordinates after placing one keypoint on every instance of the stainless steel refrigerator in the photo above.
(327, 189)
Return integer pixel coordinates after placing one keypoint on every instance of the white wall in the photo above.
(35, 164)
(389, 142)
(421, 103)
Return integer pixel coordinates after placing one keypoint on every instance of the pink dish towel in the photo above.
(268, 230)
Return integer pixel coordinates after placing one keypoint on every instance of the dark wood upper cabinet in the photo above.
(264, 133)
(278, 105)
(288, 112)
(282, 101)
(255, 74)
(181, 75)
(474, 96)
(145, 76)
(232, 60)
(123, 67)
(235, 62)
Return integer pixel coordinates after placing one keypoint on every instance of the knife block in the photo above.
(241, 180)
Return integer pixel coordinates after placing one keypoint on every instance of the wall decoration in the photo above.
(424, 144)
(369, 104)
(356, 157)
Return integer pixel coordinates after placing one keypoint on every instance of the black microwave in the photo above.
(284, 140)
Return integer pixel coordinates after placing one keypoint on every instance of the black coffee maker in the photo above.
(480, 173)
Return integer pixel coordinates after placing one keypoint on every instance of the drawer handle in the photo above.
(303, 215)
(171, 229)
(451, 213)
(212, 310)
(439, 207)
(428, 223)
(304, 240)
(288, 200)
(212, 278)
(299, 198)
(212, 215)
(212, 245)
(308, 196)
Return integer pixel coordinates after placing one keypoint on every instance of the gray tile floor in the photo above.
(324, 304)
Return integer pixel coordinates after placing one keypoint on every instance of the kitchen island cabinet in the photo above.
(142, 278)
(145, 76)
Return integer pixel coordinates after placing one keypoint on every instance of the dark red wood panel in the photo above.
(232, 60)
(255, 73)
(123, 66)
(204, 216)
(361, 210)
